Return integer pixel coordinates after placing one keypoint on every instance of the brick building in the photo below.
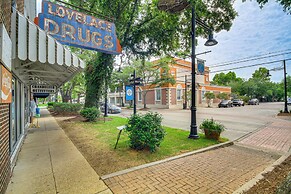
(31, 63)
(173, 96)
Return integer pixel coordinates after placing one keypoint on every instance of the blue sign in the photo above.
(200, 67)
(77, 29)
(129, 93)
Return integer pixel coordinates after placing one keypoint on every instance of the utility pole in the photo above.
(285, 87)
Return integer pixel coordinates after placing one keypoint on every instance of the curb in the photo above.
(260, 176)
(222, 145)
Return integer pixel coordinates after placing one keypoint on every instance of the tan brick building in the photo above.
(173, 96)
(31, 63)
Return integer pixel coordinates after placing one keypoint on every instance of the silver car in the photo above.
(111, 108)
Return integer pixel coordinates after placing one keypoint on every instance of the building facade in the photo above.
(31, 63)
(174, 96)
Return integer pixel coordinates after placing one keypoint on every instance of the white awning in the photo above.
(37, 57)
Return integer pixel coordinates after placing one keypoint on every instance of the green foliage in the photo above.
(212, 125)
(223, 79)
(66, 108)
(245, 99)
(286, 4)
(97, 75)
(222, 96)
(209, 96)
(145, 131)
(90, 113)
(144, 31)
(50, 104)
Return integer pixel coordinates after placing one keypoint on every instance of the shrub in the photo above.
(90, 113)
(66, 107)
(145, 131)
(50, 104)
(245, 99)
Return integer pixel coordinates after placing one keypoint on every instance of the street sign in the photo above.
(129, 93)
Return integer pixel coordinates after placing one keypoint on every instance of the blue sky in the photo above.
(254, 32)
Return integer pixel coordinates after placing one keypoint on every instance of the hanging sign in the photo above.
(129, 93)
(6, 85)
(200, 67)
(74, 28)
(5, 47)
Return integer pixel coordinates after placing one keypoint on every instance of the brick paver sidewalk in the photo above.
(217, 171)
(276, 137)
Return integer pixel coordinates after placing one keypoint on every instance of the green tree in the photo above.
(145, 31)
(209, 96)
(223, 79)
(154, 74)
(222, 96)
(74, 87)
(286, 4)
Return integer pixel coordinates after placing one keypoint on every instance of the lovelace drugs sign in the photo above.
(77, 29)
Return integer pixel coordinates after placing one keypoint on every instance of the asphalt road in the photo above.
(237, 120)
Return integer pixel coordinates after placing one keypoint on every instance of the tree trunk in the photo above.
(144, 99)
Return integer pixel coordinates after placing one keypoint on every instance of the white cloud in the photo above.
(254, 32)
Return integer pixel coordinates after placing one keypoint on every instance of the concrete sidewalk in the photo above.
(50, 163)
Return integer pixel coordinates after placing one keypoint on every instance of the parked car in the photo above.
(254, 101)
(111, 108)
(225, 103)
(288, 101)
(238, 102)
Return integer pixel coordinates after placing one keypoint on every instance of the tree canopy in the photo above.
(144, 31)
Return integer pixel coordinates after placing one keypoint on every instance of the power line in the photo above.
(242, 67)
(247, 60)
(255, 56)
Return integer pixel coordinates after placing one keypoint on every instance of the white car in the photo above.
(288, 101)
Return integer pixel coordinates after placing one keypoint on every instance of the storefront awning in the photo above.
(37, 57)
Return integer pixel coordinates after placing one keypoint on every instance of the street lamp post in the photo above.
(174, 7)
(285, 89)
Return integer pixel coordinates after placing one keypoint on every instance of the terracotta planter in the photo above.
(211, 134)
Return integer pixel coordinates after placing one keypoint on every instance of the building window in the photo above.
(158, 94)
(179, 92)
(139, 94)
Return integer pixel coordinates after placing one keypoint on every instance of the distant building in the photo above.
(173, 96)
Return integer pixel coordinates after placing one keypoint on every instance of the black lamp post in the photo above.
(285, 84)
(177, 7)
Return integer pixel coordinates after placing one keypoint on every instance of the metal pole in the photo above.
(185, 105)
(134, 100)
(285, 87)
(193, 126)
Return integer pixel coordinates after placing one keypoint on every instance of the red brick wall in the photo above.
(4, 147)
(150, 97)
(5, 13)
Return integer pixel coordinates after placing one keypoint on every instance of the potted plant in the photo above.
(212, 129)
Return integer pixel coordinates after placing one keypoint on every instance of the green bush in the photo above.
(50, 104)
(212, 125)
(145, 131)
(66, 107)
(245, 99)
(90, 113)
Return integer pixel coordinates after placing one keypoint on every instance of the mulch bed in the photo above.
(284, 114)
(273, 180)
